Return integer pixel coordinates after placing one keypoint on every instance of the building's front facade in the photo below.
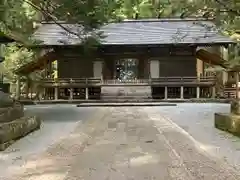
(160, 53)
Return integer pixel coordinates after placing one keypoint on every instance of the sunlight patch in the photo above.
(52, 176)
(147, 159)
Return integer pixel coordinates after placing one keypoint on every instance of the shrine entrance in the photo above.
(126, 69)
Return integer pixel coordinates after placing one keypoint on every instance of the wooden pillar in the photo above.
(71, 93)
(50, 69)
(237, 80)
(213, 92)
(141, 67)
(18, 88)
(237, 93)
(165, 92)
(45, 93)
(198, 92)
(40, 97)
(31, 92)
(182, 95)
(86, 93)
(27, 88)
(71, 89)
(46, 69)
(56, 93)
(199, 68)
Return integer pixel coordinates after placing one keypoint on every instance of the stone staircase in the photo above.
(126, 92)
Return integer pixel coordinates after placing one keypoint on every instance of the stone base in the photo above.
(11, 113)
(119, 104)
(12, 131)
(4, 146)
(228, 122)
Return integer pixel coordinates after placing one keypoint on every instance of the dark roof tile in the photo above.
(139, 32)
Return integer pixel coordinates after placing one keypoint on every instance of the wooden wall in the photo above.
(75, 68)
(178, 66)
(72, 65)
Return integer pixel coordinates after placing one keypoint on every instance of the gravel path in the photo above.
(198, 121)
(58, 122)
(130, 143)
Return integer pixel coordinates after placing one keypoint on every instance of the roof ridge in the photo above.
(173, 19)
(167, 19)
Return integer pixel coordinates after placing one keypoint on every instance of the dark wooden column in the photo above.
(141, 68)
(108, 69)
(146, 68)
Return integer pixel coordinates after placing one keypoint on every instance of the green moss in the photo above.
(235, 108)
(228, 122)
(16, 129)
(11, 113)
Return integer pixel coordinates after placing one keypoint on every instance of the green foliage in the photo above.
(16, 16)
(16, 56)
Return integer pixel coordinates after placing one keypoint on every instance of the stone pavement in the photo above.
(125, 143)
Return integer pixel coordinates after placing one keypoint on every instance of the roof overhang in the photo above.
(235, 68)
(43, 46)
(45, 57)
(210, 58)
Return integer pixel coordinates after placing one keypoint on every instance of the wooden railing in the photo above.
(183, 79)
(130, 81)
(62, 81)
(115, 82)
(229, 92)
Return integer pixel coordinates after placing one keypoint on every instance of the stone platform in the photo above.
(119, 104)
(16, 129)
(79, 101)
(228, 122)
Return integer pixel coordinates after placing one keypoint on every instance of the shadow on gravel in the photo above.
(59, 113)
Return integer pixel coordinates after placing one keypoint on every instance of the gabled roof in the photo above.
(38, 64)
(138, 32)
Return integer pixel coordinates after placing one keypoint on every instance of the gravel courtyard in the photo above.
(112, 143)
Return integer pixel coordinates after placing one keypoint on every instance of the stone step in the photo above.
(126, 92)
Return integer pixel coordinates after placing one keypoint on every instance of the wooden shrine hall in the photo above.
(167, 55)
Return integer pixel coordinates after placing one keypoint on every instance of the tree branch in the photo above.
(227, 8)
(44, 12)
